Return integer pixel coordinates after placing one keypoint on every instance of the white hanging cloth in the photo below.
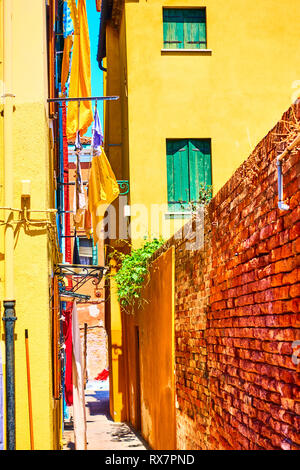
(79, 414)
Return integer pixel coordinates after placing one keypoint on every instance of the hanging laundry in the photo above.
(103, 375)
(79, 202)
(68, 27)
(74, 15)
(97, 141)
(68, 249)
(80, 78)
(78, 386)
(103, 190)
(97, 134)
(88, 223)
(78, 146)
(68, 31)
(67, 332)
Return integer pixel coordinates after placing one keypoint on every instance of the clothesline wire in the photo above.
(89, 98)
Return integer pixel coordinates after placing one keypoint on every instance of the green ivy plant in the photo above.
(134, 268)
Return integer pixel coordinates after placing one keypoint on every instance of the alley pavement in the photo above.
(102, 432)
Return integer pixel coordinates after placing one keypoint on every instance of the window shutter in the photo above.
(87, 251)
(184, 28)
(178, 175)
(173, 28)
(170, 175)
(188, 165)
(194, 29)
(199, 165)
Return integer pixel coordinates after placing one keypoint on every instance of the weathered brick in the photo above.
(237, 314)
(294, 290)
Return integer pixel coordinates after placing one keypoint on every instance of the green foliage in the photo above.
(205, 193)
(204, 196)
(134, 268)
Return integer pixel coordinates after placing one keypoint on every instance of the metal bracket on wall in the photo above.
(123, 184)
(124, 187)
(80, 274)
(67, 293)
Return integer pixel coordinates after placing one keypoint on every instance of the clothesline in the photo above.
(89, 98)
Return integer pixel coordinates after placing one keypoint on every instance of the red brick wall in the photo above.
(237, 310)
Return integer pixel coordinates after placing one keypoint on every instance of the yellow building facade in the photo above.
(230, 91)
(27, 234)
(228, 87)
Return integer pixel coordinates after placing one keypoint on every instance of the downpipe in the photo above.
(9, 324)
(281, 204)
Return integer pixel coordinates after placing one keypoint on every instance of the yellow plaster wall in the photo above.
(32, 252)
(1, 148)
(2, 350)
(233, 94)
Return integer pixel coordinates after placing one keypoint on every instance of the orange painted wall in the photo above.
(155, 321)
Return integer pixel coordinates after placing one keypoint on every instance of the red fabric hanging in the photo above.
(103, 375)
(67, 332)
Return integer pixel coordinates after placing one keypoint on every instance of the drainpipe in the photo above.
(281, 204)
(9, 319)
(9, 302)
(101, 66)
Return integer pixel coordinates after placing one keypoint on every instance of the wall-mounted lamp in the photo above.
(26, 188)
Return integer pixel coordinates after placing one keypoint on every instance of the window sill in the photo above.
(187, 51)
(177, 215)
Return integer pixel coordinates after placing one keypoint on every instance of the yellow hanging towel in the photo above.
(103, 189)
(80, 78)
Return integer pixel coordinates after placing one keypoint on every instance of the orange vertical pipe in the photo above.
(29, 391)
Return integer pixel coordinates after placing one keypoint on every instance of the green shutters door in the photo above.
(194, 29)
(188, 165)
(173, 28)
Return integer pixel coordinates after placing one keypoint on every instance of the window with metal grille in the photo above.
(88, 253)
(188, 166)
(184, 28)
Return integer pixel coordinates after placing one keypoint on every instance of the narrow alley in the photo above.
(149, 228)
(102, 432)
